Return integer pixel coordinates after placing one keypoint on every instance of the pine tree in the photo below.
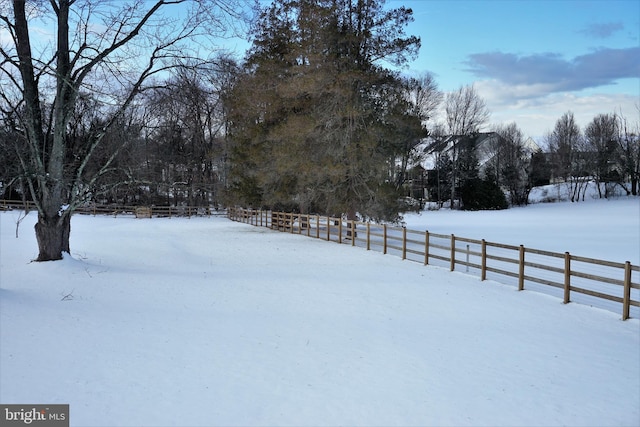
(316, 120)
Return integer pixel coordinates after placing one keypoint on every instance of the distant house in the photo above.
(486, 146)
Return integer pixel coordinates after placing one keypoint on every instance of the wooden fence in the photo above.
(115, 210)
(610, 285)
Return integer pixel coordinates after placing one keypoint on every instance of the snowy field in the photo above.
(596, 228)
(207, 322)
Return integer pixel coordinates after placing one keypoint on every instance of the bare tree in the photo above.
(601, 145)
(465, 111)
(511, 162)
(422, 98)
(570, 161)
(465, 114)
(110, 49)
(629, 142)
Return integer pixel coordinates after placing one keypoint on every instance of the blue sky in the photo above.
(533, 60)
(530, 60)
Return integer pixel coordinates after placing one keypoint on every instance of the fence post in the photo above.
(453, 252)
(404, 243)
(340, 230)
(384, 238)
(626, 297)
(353, 232)
(426, 247)
(368, 236)
(521, 270)
(328, 228)
(317, 226)
(483, 270)
(567, 277)
(467, 266)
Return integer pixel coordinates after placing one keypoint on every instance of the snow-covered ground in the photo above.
(206, 322)
(607, 229)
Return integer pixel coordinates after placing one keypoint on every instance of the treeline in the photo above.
(168, 149)
(313, 120)
(491, 170)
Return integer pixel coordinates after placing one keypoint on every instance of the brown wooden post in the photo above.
(368, 236)
(384, 238)
(567, 277)
(308, 225)
(340, 230)
(453, 252)
(483, 270)
(626, 297)
(318, 226)
(353, 232)
(404, 242)
(521, 270)
(328, 228)
(426, 247)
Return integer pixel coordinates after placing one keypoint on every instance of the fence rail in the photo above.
(610, 285)
(115, 210)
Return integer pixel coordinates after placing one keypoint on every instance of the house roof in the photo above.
(429, 148)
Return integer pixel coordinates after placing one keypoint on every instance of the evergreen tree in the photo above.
(316, 120)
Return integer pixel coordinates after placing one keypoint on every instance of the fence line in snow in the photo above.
(600, 283)
(115, 210)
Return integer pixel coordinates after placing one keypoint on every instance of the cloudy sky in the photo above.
(534, 60)
(530, 60)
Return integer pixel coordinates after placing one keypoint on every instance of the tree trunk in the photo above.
(52, 234)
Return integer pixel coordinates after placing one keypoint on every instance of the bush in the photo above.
(480, 194)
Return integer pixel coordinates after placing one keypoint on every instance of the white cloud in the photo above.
(601, 67)
(535, 109)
